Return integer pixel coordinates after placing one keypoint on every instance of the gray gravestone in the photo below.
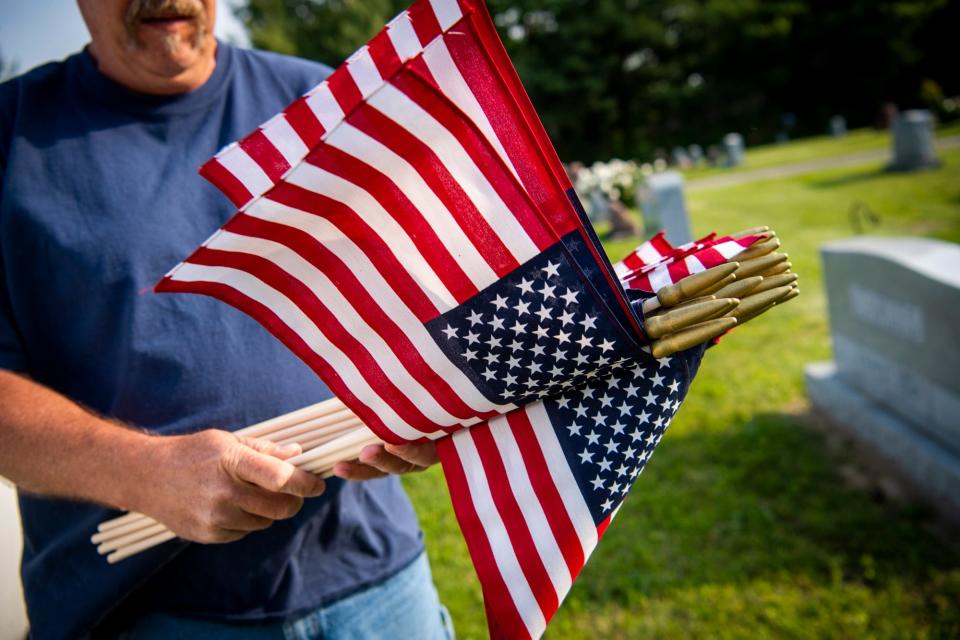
(664, 207)
(913, 141)
(696, 154)
(13, 613)
(895, 381)
(733, 149)
(838, 126)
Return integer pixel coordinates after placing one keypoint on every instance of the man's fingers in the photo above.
(378, 457)
(237, 520)
(422, 454)
(357, 471)
(282, 451)
(270, 473)
(274, 506)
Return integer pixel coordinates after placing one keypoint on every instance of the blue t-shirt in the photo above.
(99, 197)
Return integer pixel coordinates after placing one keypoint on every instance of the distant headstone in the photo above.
(895, 382)
(598, 207)
(680, 157)
(13, 613)
(664, 207)
(733, 149)
(913, 141)
(837, 126)
(696, 154)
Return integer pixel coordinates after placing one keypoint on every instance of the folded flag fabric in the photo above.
(406, 229)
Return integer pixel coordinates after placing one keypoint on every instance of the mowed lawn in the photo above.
(741, 526)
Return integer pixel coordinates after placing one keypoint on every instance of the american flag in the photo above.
(396, 198)
(408, 231)
(535, 490)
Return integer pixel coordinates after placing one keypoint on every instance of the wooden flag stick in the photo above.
(116, 532)
(143, 545)
(119, 521)
(758, 249)
(691, 337)
(292, 418)
(683, 317)
(757, 266)
(130, 538)
(332, 421)
(750, 304)
(739, 288)
(309, 441)
(773, 282)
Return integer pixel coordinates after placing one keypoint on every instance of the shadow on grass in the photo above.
(763, 500)
(848, 179)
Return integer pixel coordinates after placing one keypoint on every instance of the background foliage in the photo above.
(620, 78)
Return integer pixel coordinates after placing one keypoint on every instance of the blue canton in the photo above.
(534, 333)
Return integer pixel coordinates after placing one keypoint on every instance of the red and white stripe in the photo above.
(523, 516)
(652, 251)
(715, 253)
(371, 206)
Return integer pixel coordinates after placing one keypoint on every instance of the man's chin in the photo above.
(168, 57)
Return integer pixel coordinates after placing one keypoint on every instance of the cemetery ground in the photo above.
(745, 523)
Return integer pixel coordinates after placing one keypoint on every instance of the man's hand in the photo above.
(377, 461)
(212, 486)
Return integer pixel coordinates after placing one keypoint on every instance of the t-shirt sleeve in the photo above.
(11, 352)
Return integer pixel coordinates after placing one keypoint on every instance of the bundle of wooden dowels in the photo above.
(695, 309)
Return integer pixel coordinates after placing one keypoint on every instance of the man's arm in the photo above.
(210, 486)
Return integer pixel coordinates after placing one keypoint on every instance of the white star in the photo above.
(585, 456)
(637, 371)
(615, 487)
(538, 349)
(606, 345)
(562, 336)
(588, 392)
(500, 302)
(574, 429)
(522, 307)
(451, 332)
(631, 390)
(607, 504)
(605, 465)
(622, 470)
(516, 345)
(674, 386)
(597, 483)
(559, 354)
(547, 291)
(658, 422)
(599, 419)
(475, 318)
(526, 286)
(624, 408)
(544, 314)
(643, 417)
(581, 410)
(496, 323)
(611, 446)
(541, 331)
(563, 402)
(470, 354)
(518, 327)
(657, 380)
(592, 438)
(603, 360)
(510, 380)
(651, 439)
(666, 403)
(651, 398)
(605, 400)
(676, 405)
(662, 362)
(552, 269)
(556, 371)
(493, 341)
(582, 359)
(535, 367)
(630, 452)
(618, 427)
(513, 362)
(472, 337)
(489, 374)
(636, 434)
(491, 357)
(570, 296)
(566, 318)
(584, 342)
(589, 322)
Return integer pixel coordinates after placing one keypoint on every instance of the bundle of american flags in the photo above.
(407, 229)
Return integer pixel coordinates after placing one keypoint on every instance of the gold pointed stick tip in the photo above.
(687, 316)
(751, 316)
(772, 282)
(752, 231)
(739, 287)
(756, 266)
(754, 302)
(687, 303)
(691, 337)
(693, 285)
(794, 292)
(758, 249)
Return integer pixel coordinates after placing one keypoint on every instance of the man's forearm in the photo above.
(50, 445)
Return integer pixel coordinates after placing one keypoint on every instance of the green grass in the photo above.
(741, 526)
(772, 155)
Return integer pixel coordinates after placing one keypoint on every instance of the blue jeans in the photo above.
(404, 606)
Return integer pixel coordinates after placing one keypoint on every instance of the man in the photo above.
(98, 198)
